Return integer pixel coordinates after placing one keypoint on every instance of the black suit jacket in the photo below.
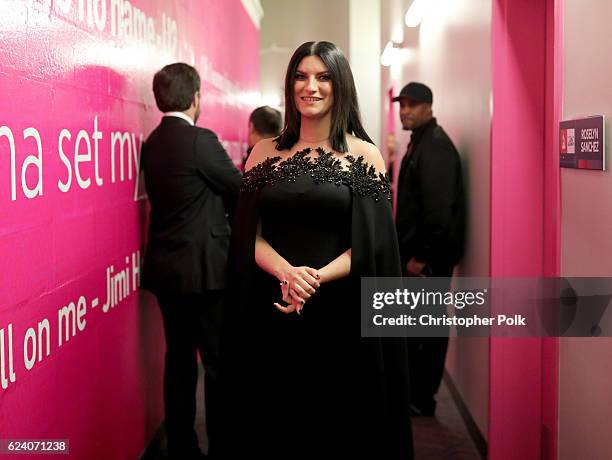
(430, 217)
(192, 185)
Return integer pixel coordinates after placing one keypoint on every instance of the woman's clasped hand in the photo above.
(297, 285)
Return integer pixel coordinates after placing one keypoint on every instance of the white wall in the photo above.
(451, 52)
(353, 25)
(585, 375)
(365, 47)
(289, 23)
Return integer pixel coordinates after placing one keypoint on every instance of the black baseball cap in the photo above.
(415, 91)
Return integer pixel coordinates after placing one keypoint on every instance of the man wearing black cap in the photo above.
(430, 225)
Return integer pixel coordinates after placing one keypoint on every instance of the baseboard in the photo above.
(479, 440)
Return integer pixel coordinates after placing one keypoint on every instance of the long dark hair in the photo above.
(345, 109)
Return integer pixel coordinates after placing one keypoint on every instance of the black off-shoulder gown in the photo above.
(309, 386)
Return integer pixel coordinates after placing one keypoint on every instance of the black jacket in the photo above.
(430, 218)
(192, 185)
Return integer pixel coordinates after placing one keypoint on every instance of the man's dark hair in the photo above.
(266, 121)
(345, 110)
(174, 87)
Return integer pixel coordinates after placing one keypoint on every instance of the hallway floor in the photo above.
(445, 435)
(435, 438)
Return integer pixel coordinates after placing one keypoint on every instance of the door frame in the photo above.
(527, 90)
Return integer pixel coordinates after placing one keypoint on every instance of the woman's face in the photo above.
(312, 88)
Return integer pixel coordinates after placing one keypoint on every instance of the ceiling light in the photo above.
(415, 13)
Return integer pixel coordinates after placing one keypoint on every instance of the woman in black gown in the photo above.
(314, 216)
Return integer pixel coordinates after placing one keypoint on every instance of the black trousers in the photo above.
(192, 323)
(426, 358)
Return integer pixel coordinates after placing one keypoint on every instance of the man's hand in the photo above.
(415, 268)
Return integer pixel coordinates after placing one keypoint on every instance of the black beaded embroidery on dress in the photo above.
(359, 176)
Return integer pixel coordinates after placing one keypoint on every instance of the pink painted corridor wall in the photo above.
(81, 348)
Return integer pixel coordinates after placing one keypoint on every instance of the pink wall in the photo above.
(516, 223)
(451, 52)
(585, 376)
(524, 218)
(70, 85)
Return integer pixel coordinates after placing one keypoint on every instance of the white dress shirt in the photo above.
(187, 118)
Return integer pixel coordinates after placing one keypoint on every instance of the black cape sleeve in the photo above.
(238, 335)
(385, 389)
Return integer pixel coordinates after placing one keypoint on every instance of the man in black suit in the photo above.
(191, 182)
(264, 122)
(430, 225)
